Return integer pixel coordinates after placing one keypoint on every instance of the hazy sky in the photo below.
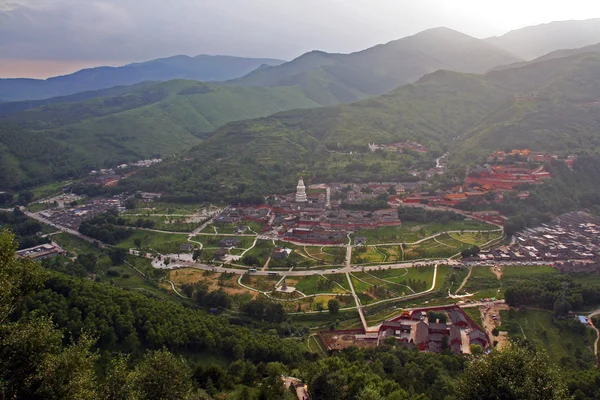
(47, 37)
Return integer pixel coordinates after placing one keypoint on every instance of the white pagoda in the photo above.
(301, 192)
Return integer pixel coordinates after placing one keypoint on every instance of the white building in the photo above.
(301, 192)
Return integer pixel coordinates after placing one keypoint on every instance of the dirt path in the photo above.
(464, 282)
(266, 264)
(593, 314)
(490, 324)
(497, 271)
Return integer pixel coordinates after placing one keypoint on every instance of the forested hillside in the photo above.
(57, 141)
(67, 338)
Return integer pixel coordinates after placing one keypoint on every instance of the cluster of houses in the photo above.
(72, 217)
(572, 237)
(456, 333)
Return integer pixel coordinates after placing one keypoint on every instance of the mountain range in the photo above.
(547, 106)
(343, 78)
(200, 68)
(56, 138)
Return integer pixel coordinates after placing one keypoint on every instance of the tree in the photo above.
(466, 253)
(476, 350)
(18, 277)
(118, 382)
(561, 309)
(333, 306)
(514, 373)
(137, 242)
(197, 254)
(117, 255)
(161, 375)
(34, 363)
(319, 307)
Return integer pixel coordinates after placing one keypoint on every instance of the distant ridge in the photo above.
(535, 41)
(201, 68)
(595, 48)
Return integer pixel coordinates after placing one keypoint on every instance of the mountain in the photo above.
(57, 141)
(535, 41)
(200, 68)
(595, 48)
(342, 78)
(558, 113)
(544, 106)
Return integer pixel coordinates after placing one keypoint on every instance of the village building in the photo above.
(41, 252)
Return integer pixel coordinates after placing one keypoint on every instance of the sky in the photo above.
(41, 38)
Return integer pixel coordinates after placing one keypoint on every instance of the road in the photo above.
(593, 314)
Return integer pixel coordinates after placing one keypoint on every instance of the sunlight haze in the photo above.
(71, 33)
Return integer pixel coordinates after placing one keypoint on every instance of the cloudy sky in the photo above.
(40, 38)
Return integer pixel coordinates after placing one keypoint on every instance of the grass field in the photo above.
(164, 243)
(527, 272)
(539, 327)
(410, 232)
(314, 284)
(171, 224)
(367, 255)
(74, 245)
(484, 283)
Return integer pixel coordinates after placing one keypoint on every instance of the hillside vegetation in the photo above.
(152, 120)
(342, 78)
(468, 114)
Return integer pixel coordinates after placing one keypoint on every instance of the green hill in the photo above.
(150, 120)
(342, 78)
(465, 113)
(559, 114)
